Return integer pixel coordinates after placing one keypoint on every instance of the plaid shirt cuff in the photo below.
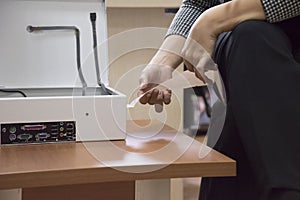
(187, 15)
(184, 19)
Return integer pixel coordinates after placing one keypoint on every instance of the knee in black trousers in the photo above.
(262, 126)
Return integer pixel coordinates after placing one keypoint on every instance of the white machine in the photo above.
(30, 115)
(58, 115)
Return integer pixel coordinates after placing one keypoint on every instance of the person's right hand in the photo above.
(151, 77)
(160, 69)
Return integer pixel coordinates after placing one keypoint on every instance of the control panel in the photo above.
(40, 132)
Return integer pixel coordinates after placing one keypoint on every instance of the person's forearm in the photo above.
(169, 52)
(166, 58)
(226, 16)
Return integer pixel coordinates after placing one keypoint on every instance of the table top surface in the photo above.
(151, 151)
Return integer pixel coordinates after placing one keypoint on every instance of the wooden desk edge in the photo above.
(96, 175)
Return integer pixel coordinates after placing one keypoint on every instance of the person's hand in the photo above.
(211, 23)
(201, 39)
(160, 69)
(204, 33)
(151, 77)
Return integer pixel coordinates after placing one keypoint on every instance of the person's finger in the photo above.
(160, 96)
(167, 96)
(144, 99)
(189, 66)
(146, 96)
(198, 75)
(153, 98)
(143, 89)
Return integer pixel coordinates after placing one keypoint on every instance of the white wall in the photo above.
(48, 59)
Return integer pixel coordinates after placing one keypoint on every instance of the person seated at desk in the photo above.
(255, 44)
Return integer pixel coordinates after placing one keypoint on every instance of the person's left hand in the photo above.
(203, 34)
(211, 23)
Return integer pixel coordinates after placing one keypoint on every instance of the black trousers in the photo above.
(258, 64)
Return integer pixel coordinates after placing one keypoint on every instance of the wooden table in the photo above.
(151, 154)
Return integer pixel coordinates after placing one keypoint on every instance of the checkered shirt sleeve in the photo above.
(187, 14)
(279, 10)
(190, 10)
